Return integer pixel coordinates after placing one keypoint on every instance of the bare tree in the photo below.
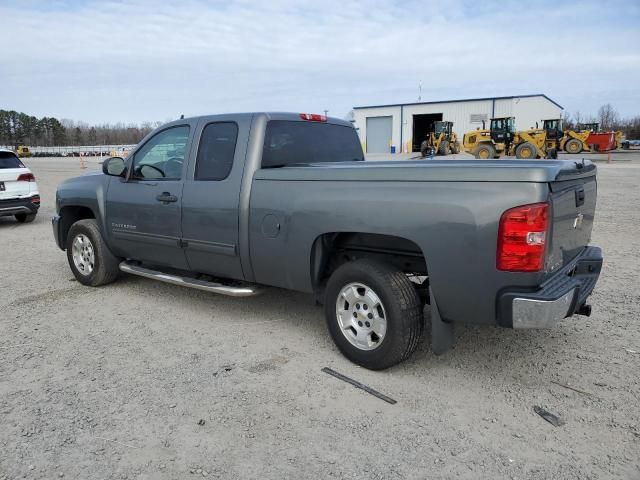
(609, 118)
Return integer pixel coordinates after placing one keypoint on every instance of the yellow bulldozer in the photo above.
(441, 141)
(502, 139)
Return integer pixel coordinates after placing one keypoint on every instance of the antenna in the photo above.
(420, 91)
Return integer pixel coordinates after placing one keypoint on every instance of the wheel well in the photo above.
(69, 216)
(331, 250)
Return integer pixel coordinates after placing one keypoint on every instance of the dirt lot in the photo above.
(149, 381)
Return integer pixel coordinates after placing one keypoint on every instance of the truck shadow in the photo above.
(477, 348)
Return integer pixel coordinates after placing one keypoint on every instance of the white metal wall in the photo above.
(527, 110)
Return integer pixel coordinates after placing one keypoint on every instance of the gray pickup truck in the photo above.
(232, 203)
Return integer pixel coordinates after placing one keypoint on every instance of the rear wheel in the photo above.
(89, 258)
(573, 146)
(373, 313)
(25, 217)
(444, 148)
(485, 151)
(526, 150)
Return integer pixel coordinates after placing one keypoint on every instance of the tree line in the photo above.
(18, 128)
(609, 120)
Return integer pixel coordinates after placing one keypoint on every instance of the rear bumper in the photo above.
(561, 296)
(15, 206)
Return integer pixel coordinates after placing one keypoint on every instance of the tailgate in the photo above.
(573, 201)
(11, 187)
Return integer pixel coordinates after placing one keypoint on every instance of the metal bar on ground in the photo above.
(359, 385)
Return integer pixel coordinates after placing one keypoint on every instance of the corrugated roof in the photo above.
(461, 100)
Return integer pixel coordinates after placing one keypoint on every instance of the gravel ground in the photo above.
(144, 380)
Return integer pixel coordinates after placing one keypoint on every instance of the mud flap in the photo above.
(441, 332)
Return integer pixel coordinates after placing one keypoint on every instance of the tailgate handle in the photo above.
(579, 197)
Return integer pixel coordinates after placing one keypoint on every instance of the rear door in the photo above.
(573, 203)
(144, 209)
(211, 198)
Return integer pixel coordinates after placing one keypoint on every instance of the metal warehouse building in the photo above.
(402, 127)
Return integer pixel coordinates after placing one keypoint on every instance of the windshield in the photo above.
(9, 160)
(290, 142)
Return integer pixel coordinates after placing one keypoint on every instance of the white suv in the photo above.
(19, 194)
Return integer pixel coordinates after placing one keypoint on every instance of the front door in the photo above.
(210, 205)
(144, 209)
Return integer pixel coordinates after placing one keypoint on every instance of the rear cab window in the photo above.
(216, 151)
(10, 160)
(299, 142)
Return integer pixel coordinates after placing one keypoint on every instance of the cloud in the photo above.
(145, 60)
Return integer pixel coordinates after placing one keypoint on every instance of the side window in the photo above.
(162, 157)
(216, 151)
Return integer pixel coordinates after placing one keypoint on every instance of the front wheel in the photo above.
(89, 258)
(526, 151)
(373, 313)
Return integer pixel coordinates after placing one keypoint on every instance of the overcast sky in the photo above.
(144, 60)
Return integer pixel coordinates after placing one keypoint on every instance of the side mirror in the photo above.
(114, 166)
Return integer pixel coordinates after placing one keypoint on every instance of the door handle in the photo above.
(166, 197)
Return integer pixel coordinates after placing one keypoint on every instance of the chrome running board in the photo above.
(244, 291)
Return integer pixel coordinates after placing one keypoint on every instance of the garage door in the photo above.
(379, 134)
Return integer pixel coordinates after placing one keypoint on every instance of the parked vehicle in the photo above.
(442, 141)
(231, 203)
(19, 196)
(502, 139)
(23, 151)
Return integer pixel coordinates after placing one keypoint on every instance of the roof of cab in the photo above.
(290, 116)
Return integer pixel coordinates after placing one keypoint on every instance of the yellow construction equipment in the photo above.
(571, 141)
(23, 151)
(502, 139)
(441, 141)
(492, 142)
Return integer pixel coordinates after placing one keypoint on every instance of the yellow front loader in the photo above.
(502, 139)
(570, 141)
(492, 142)
(442, 141)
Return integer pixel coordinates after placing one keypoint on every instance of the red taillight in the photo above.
(313, 117)
(35, 199)
(522, 238)
(26, 177)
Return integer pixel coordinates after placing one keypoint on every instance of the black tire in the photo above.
(25, 217)
(573, 146)
(424, 148)
(402, 308)
(105, 266)
(526, 150)
(485, 151)
(444, 148)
